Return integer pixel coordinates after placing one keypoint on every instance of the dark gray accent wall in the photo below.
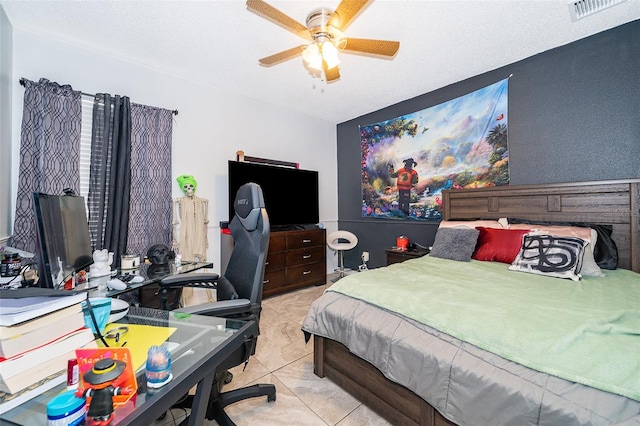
(574, 115)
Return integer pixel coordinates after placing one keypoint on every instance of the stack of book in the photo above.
(39, 332)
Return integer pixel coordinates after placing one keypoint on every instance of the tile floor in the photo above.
(284, 359)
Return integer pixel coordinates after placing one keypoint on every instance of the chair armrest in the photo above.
(220, 308)
(195, 279)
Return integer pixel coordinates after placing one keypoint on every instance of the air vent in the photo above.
(579, 9)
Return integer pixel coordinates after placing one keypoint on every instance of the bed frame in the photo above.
(616, 203)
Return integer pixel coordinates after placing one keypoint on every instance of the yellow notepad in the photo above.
(139, 338)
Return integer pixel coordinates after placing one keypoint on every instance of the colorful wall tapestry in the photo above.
(409, 160)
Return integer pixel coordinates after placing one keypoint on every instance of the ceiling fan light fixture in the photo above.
(311, 55)
(330, 54)
(324, 34)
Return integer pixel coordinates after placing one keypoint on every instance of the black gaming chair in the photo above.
(239, 294)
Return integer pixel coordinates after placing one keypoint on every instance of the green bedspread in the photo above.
(587, 332)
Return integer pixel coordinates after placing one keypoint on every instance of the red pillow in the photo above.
(498, 245)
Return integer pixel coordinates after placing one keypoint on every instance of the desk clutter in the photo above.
(49, 336)
(107, 381)
(39, 332)
(66, 409)
(103, 260)
(59, 326)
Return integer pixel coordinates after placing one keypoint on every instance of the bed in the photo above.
(420, 370)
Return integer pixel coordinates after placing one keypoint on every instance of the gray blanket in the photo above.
(465, 384)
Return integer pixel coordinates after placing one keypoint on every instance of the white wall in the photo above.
(210, 127)
(5, 125)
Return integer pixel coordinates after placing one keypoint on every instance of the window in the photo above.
(85, 145)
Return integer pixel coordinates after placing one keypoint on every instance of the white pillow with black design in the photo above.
(550, 255)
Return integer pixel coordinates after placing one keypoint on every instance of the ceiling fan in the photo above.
(324, 32)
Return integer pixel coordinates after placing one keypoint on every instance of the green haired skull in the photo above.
(187, 184)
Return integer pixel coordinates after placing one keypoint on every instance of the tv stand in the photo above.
(296, 259)
(280, 228)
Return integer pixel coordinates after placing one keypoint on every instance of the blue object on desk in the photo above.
(158, 367)
(65, 409)
(101, 309)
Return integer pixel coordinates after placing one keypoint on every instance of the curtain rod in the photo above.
(22, 83)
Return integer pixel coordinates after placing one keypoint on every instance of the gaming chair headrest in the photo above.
(247, 205)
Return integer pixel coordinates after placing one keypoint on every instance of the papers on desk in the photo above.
(139, 338)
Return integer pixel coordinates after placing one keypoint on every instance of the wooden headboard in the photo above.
(615, 203)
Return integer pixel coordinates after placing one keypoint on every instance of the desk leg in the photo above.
(201, 400)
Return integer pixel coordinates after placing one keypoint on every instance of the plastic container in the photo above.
(65, 409)
(129, 261)
(402, 242)
(10, 265)
(73, 374)
(158, 367)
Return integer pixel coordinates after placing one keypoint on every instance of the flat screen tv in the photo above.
(63, 241)
(290, 195)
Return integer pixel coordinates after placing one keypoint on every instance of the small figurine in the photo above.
(101, 376)
(158, 367)
(159, 254)
(102, 260)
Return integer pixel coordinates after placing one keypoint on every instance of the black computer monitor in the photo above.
(64, 244)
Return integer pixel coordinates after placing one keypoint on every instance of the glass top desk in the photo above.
(151, 274)
(198, 346)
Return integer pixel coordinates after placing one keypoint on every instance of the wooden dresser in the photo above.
(296, 259)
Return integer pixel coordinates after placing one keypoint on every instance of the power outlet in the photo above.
(365, 256)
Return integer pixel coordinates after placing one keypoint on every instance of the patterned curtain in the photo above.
(49, 151)
(150, 208)
(110, 173)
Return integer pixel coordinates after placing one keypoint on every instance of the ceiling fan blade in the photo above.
(345, 12)
(376, 47)
(330, 74)
(281, 56)
(266, 10)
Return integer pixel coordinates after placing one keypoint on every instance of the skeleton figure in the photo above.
(191, 213)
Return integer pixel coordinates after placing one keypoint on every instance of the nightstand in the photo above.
(397, 256)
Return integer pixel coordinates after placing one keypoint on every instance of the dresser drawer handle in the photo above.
(266, 263)
(265, 281)
(306, 241)
(306, 256)
(306, 272)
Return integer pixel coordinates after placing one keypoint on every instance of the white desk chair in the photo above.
(339, 241)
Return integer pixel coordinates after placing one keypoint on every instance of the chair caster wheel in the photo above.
(271, 398)
(228, 378)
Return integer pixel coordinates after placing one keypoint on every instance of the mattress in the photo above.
(383, 316)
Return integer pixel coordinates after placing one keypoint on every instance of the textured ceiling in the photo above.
(219, 43)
